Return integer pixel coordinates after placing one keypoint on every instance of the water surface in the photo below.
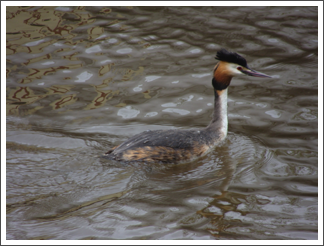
(81, 80)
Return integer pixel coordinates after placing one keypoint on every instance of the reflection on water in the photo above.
(81, 80)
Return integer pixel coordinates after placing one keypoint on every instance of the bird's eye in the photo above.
(239, 68)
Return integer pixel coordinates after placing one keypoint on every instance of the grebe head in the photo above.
(231, 65)
(236, 65)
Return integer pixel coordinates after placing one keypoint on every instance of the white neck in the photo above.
(223, 112)
(219, 122)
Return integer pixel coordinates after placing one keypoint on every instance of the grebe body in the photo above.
(172, 146)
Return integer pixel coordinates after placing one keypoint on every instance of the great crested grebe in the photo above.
(171, 146)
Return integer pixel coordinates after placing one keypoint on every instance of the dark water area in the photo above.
(80, 80)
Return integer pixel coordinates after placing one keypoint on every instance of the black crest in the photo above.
(224, 55)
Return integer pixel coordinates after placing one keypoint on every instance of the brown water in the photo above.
(82, 80)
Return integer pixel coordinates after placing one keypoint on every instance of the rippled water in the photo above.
(81, 80)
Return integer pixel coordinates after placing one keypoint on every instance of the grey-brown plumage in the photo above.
(164, 146)
(171, 146)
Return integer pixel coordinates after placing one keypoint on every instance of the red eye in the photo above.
(239, 68)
